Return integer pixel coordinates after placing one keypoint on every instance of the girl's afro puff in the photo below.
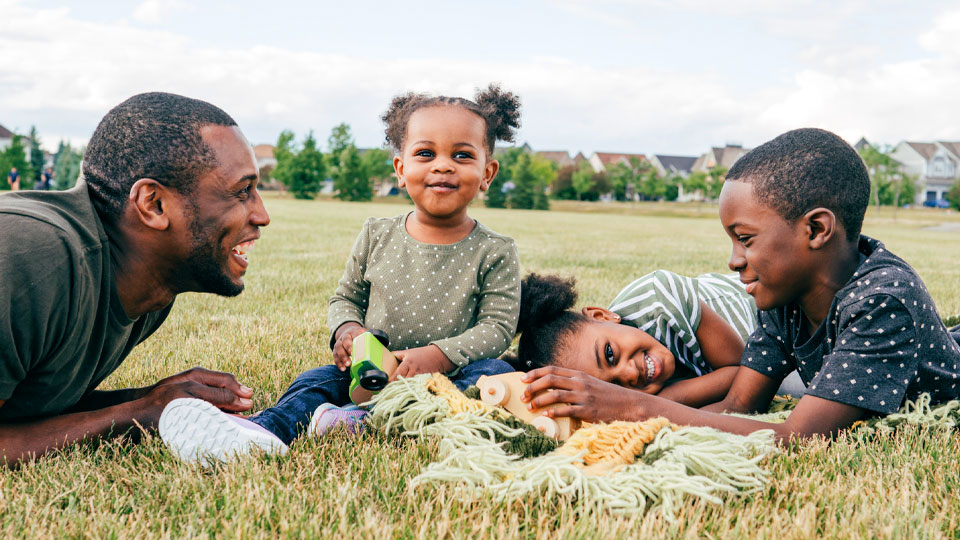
(499, 109)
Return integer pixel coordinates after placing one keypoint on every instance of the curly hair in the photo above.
(499, 109)
(804, 169)
(546, 319)
(153, 135)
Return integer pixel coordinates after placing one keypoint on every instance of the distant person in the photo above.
(853, 318)
(167, 204)
(46, 180)
(445, 288)
(14, 179)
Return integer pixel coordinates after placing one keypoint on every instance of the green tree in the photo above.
(15, 156)
(582, 179)
(301, 170)
(562, 187)
(623, 180)
(36, 155)
(66, 166)
(715, 182)
(652, 186)
(888, 185)
(498, 190)
(377, 163)
(673, 183)
(350, 180)
(338, 141)
(531, 174)
(954, 195)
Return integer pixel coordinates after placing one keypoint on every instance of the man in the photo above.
(168, 203)
(14, 179)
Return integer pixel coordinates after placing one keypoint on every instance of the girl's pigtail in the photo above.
(501, 110)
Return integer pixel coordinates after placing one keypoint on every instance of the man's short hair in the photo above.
(804, 169)
(154, 135)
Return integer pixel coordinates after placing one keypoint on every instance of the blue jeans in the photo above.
(327, 384)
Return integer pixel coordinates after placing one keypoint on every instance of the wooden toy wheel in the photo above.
(547, 426)
(494, 392)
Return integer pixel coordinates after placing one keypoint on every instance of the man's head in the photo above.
(178, 176)
(790, 207)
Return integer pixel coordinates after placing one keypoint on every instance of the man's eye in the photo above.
(608, 355)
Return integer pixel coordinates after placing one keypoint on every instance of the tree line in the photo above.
(26, 154)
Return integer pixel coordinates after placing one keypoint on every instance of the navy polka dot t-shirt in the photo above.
(881, 343)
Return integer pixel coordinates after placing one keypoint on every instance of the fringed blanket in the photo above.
(625, 467)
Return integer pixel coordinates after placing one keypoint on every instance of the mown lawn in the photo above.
(899, 485)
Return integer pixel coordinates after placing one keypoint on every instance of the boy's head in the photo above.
(791, 206)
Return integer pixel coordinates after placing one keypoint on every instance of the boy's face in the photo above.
(771, 254)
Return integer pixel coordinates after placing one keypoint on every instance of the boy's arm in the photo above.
(720, 344)
(588, 398)
(497, 311)
(699, 391)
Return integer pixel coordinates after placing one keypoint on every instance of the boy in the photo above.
(853, 318)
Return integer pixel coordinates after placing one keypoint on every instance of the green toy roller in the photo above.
(371, 365)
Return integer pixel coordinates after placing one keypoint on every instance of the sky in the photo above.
(641, 76)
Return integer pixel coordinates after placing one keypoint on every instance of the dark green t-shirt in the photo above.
(62, 326)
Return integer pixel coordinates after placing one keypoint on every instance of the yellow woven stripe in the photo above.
(440, 385)
(614, 443)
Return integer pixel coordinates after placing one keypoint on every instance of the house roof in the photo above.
(677, 163)
(927, 150)
(862, 143)
(5, 133)
(557, 156)
(609, 158)
(728, 155)
(952, 147)
(263, 151)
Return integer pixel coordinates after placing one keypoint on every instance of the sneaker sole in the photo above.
(195, 430)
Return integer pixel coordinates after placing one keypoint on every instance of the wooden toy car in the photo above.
(504, 390)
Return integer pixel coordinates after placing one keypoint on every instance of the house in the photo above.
(861, 144)
(673, 165)
(602, 160)
(935, 164)
(6, 137)
(560, 157)
(724, 156)
(266, 163)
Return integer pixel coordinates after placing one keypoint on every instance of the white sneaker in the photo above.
(328, 416)
(195, 430)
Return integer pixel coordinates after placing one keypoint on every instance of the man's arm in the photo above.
(30, 440)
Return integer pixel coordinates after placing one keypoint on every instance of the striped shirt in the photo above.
(667, 306)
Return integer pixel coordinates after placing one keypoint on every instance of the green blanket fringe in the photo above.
(481, 458)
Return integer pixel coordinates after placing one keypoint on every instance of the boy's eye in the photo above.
(608, 355)
(743, 238)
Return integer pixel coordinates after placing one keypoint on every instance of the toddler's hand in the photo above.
(429, 359)
(343, 347)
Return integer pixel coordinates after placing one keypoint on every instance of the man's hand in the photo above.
(585, 396)
(343, 347)
(220, 389)
(429, 359)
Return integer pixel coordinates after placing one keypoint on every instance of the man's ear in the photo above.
(600, 314)
(149, 200)
(821, 225)
(489, 173)
(398, 168)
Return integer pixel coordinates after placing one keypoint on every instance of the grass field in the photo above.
(889, 486)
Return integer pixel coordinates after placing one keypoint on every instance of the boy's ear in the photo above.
(150, 201)
(398, 168)
(600, 314)
(821, 224)
(489, 173)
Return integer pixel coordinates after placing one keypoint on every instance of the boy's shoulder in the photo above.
(882, 273)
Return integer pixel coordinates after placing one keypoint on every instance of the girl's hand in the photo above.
(429, 359)
(343, 347)
(585, 396)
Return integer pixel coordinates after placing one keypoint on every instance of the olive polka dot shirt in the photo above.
(881, 343)
(463, 297)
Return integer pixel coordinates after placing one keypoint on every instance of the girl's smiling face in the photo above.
(444, 163)
(617, 353)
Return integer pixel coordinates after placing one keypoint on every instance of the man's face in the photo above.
(225, 213)
(771, 254)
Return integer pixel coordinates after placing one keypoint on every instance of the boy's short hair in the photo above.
(804, 169)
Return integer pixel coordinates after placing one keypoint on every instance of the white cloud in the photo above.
(158, 11)
(80, 69)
